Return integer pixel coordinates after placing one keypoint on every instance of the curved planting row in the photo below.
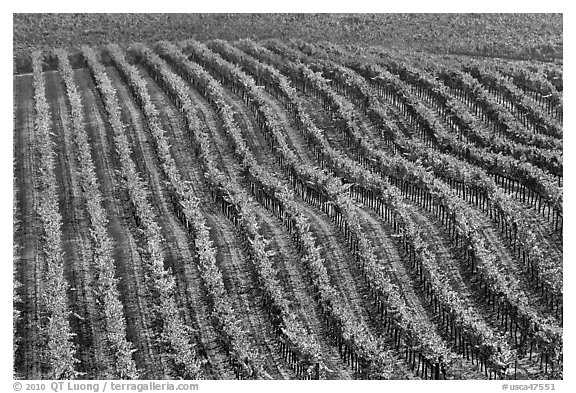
(498, 206)
(481, 103)
(459, 119)
(105, 278)
(455, 115)
(16, 300)
(536, 86)
(264, 75)
(499, 120)
(541, 191)
(515, 101)
(422, 261)
(475, 181)
(59, 352)
(173, 334)
(518, 165)
(263, 112)
(280, 200)
(357, 345)
(242, 356)
(475, 186)
(439, 198)
(303, 346)
(388, 152)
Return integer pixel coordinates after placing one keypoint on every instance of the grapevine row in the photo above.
(516, 230)
(16, 299)
(466, 236)
(262, 73)
(458, 117)
(60, 357)
(174, 334)
(514, 100)
(242, 356)
(542, 192)
(105, 277)
(447, 167)
(541, 186)
(356, 344)
(536, 86)
(554, 76)
(263, 113)
(302, 345)
(483, 105)
(500, 166)
(419, 256)
(433, 64)
(515, 170)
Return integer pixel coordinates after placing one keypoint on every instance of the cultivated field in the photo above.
(286, 210)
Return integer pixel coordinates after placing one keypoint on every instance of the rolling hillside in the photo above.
(266, 209)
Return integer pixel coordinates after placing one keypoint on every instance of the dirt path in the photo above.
(28, 236)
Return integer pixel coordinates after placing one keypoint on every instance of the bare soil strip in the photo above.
(26, 358)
